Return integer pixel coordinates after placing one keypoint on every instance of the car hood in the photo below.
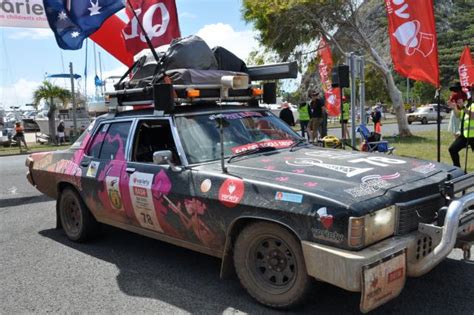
(339, 175)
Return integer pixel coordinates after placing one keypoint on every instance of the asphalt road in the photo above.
(41, 271)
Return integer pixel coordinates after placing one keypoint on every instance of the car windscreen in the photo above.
(242, 131)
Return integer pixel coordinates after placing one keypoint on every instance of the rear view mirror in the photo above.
(162, 157)
(165, 157)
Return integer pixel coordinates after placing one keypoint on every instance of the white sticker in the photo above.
(113, 191)
(142, 200)
(92, 170)
(206, 185)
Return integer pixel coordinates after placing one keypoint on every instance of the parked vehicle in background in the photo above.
(425, 114)
(6, 137)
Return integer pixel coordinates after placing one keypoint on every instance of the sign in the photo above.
(382, 281)
(413, 43)
(23, 13)
(332, 95)
(231, 192)
(466, 69)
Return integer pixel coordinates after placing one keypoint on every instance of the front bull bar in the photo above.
(448, 238)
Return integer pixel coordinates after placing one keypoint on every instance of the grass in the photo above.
(423, 146)
(32, 148)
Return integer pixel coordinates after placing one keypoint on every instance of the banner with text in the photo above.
(23, 13)
(332, 95)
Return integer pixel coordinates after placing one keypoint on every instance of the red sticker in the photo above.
(231, 192)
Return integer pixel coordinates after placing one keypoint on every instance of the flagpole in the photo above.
(438, 123)
(148, 41)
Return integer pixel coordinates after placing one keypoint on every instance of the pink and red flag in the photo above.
(159, 20)
(332, 95)
(466, 69)
(414, 50)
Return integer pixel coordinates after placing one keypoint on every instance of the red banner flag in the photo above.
(466, 69)
(158, 18)
(332, 95)
(412, 32)
(110, 38)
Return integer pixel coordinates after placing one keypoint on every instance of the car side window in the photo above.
(152, 136)
(110, 141)
(113, 147)
(96, 145)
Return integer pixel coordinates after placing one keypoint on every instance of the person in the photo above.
(346, 108)
(323, 129)
(376, 119)
(303, 113)
(466, 136)
(60, 130)
(287, 115)
(456, 99)
(316, 115)
(20, 135)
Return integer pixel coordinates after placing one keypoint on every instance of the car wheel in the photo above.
(269, 263)
(424, 121)
(76, 219)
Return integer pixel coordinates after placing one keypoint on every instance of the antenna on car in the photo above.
(148, 41)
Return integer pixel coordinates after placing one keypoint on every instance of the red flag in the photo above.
(412, 32)
(158, 18)
(332, 95)
(466, 69)
(110, 38)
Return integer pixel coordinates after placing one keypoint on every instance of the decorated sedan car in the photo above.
(277, 209)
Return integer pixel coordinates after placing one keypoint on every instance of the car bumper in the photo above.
(422, 251)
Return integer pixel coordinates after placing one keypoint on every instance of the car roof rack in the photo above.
(231, 88)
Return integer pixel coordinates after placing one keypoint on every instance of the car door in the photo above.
(102, 171)
(159, 194)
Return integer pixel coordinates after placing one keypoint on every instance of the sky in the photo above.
(27, 54)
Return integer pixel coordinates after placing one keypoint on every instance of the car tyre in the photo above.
(270, 265)
(77, 221)
(424, 121)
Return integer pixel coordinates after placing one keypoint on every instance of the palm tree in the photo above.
(49, 92)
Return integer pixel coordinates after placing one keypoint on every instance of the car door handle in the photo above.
(85, 162)
(130, 170)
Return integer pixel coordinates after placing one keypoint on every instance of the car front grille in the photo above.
(424, 210)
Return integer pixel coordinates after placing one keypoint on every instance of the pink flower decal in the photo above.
(265, 160)
(282, 179)
(269, 167)
(298, 171)
(310, 184)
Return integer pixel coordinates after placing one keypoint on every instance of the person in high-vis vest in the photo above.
(303, 116)
(466, 138)
(346, 109)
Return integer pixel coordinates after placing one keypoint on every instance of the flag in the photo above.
(466, 69)
(332, 95)
(158, 18)
(73, 21)
(413, 43)
(98, 81)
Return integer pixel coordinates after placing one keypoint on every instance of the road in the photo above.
(41, 271)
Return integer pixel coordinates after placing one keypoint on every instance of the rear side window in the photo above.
(110, 141)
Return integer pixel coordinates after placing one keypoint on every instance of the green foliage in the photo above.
(375, 89)
(49, 92)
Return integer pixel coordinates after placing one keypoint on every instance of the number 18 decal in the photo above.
(378, 161)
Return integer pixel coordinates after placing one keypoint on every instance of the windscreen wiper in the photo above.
(252, 151)
(297, 143)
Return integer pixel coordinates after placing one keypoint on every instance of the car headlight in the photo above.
(372, 227)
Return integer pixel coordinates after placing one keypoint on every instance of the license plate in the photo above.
(383, 281)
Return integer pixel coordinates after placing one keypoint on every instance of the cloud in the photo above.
(34, 33)
(18, 94)
(241, 43)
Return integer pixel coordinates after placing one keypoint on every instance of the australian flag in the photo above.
(73, 21)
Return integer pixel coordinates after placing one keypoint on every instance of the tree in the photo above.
(50, 92)
(285, 26)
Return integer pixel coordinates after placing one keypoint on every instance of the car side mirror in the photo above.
(165, 157)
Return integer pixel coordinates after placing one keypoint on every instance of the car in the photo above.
(6, 138)
(237, 183)
(425, 114)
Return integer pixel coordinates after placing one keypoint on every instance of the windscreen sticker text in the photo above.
(233, 116)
